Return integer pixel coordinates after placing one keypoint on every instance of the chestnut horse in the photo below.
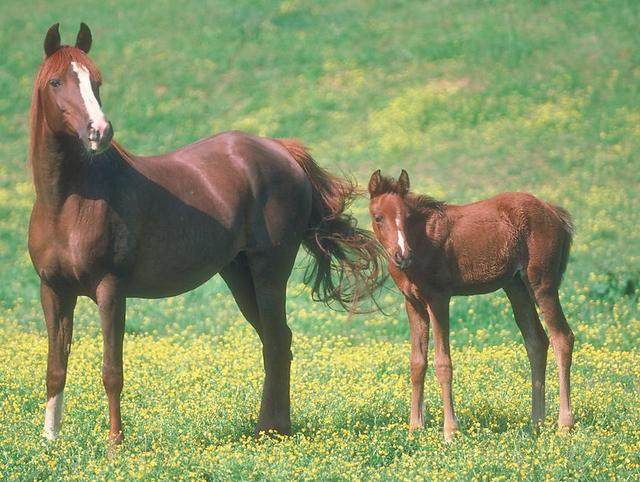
(512, 241)
(110, 225)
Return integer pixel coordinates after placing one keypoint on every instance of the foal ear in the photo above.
(374, 183)
(403, 182)
(52, 40)
(83, 40)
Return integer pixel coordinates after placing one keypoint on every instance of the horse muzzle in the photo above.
(100, 136)
(403, 261)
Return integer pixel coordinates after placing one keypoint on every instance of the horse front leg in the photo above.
(439, 314)
(58, 314)
(112, 307)
(419, 333)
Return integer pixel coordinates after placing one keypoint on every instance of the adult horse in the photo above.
(110, 225)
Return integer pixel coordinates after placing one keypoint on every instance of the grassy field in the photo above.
(472, 98)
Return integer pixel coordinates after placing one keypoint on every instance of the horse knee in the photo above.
(444, 372)
(567, 340)
(570, 339)
(418, 366)
(539, 345)
(56, 380)
(277, 355)
(112, 379)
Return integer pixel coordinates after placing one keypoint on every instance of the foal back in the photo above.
(480, 247)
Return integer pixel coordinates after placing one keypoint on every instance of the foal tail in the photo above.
(347, 259)
(566, 224)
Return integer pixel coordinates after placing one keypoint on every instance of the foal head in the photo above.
(389, 213)
(66, 93)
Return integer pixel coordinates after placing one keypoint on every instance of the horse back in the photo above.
(482, 245)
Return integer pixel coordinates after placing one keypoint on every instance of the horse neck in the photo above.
(420, 235)
(57, 164)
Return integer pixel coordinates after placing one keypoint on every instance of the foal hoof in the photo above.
(115, 439)
(450, 436)
(114, 443)
(416, 423)
(450, 433)
(49, 436)
(566, 424)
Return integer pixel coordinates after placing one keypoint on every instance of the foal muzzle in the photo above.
(402, 261)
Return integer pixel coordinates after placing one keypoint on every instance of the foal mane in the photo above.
(53, 65)
(420, 203)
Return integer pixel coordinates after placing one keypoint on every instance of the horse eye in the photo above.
(55, 82)
(379, 218)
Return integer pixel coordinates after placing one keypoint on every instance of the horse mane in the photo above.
(53, 65)
(416, 202)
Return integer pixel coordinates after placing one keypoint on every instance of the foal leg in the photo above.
(439, 315)
(112, 307)
(58, 314)
(535, 340)
(270, 272)
(237, 276)
(419, 333)
(562, 339)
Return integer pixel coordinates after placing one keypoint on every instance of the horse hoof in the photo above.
(450, 434)
(49, 436)
(115, 439)
(272, 430)
(416, 425)
(566, 425)
(114, 443)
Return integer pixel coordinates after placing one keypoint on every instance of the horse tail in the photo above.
(566, 224)
(347, 260)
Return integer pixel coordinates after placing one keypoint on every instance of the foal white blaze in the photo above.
(96, 116)
(53, 417)
(402, 242)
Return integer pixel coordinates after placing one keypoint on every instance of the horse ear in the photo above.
(52, 40)
(403, 182)
(83, 40)
(374, 183)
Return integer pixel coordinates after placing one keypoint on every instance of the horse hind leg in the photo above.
(536, 343)
(270, 272)
(237, 276)
(545, 289)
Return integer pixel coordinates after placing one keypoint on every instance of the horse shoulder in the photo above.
(72, 241)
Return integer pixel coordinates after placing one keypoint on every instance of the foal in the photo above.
(512, 241)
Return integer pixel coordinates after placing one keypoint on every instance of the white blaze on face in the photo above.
(96, 116)
(402, 243)
(53, 417)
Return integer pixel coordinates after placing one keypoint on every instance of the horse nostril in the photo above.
(402, 261)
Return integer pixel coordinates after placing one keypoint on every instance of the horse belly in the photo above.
(487, 263)
(178, 258)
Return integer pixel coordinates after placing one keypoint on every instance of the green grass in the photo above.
(472, 98)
